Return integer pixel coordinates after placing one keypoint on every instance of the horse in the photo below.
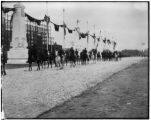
(94, 58)
(72, 58)
(38, 60)
(98, 56)
(30, 60)
(59, 60)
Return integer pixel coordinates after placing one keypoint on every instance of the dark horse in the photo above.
(72, 57)
(84, 56)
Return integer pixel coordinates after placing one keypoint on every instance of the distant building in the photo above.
(36, 34)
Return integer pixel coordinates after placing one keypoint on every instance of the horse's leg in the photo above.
(37, 65)
(48, 63)
(51, 63)
(44, 64)
(31, 66)
(1, 70)
(28, 66)
(66, 62)
(41, 64)
(55, 62)
(4, 69)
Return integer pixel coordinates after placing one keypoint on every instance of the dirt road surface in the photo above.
(123, 95)
(26, 94)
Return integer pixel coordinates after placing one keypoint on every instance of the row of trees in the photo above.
(133, 53)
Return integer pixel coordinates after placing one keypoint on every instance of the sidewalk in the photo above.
(27, 94)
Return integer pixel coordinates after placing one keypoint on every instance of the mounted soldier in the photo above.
(72, 57)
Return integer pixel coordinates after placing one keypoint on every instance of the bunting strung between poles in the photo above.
(64, 26)
(6, 10)
(31, 19)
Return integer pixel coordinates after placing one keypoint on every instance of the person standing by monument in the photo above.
(3, 62)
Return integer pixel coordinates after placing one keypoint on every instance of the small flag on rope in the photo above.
(47, 19)
(108, 41)
(70, 31)
(104, 40)
(98, 39)
(64, 27)
(56, 27)
(94, 38)
(78, 22)
(114, 45)
(97, 45)
(87, 36)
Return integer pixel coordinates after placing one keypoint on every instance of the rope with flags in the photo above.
(65, 27)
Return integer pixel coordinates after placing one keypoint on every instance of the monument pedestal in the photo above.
(17, 56)
(19, 52)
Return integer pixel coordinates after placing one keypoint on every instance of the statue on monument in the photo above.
(19, 27)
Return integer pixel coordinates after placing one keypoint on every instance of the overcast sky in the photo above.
(124, 22)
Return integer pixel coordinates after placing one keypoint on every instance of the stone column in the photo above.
(19, 52)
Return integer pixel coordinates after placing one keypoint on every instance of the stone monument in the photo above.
(19, 52)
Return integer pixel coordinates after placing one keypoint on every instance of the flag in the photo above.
(87, 36)
(104, 40)
(114, 45)
(108, 41)
(56, 27)
(70, 31)
(11, 18)
(98, 39)
(6, 10)
(33, 19)
(64, 27)
(100, 31)
(78, 22)
(77, 29)
(94, 38)
(47, 19)
(64, 31)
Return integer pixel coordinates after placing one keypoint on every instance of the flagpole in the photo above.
(78, 33)
(87, 35)
(94, 34)
(63, 30)
(47, 27)
(78, 37)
